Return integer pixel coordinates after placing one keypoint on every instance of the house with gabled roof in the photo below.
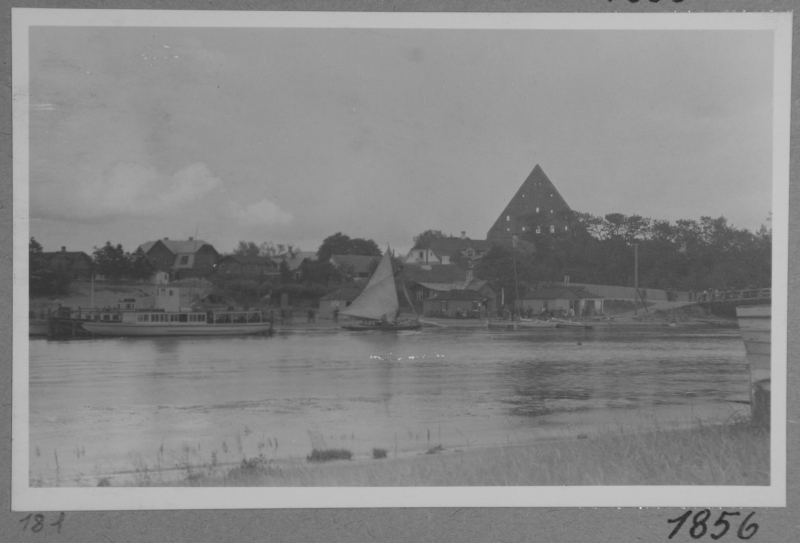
(77, 264)
(181, 258)
(293, 260)
(247, 267)
(338, 299)
(449, 250)
(355, 266)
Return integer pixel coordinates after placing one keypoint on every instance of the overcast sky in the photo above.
(290, 135)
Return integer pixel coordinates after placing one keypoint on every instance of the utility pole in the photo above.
(514, 240)
(635, 277)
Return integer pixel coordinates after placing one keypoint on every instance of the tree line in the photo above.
(686, 255)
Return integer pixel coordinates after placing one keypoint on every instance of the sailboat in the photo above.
(377, 306)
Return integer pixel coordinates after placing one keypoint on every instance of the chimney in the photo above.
(63, 249)
(566, 279)
(463, 234)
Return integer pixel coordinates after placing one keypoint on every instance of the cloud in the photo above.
(131, 190)
(261, 213)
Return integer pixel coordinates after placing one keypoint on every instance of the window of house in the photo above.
(184, 260)
(470, 252)
(170, 292)
(508, 218)
(537, 210)
(421, 254)
(524, 228)
(566, 228)
(508, 230)
(552, 229)
(420, 295)
(551, 211)
(538, 229)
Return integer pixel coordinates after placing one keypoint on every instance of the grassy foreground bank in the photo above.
(732, 454)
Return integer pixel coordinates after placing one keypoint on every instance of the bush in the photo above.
(378, 453)
(325, 455)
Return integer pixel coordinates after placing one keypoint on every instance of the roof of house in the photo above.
(477, 284)
(358, 263)
(433, 273)
(189, 246)
(67, 255)
(296, 259)
(562, 293)
(460, 294)
(442, 287)
(241, 259)
(347, 294)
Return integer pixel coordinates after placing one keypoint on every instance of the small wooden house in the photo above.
(337, 300)
(460, 303)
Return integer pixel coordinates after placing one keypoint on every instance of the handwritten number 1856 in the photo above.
(699, 526)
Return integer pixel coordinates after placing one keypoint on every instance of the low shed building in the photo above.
(561, 300)
(460, 303)
(337, 300)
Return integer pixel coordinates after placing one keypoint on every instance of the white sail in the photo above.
(379, 297)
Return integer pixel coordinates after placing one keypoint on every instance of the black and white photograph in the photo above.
(305, 259)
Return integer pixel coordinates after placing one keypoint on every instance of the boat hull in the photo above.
(175, 329)
(381, 328)
(515, 325)
(571, 324)
(38, 327)
(755, 326)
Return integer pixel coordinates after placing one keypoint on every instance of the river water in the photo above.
(108, 406)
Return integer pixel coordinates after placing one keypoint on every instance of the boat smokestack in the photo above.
(63, 249)
(463, 234)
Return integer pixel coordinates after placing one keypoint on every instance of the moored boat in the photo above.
(377, 306)
(561, 323)
(38, 327)
(755, 326)
(182, 323)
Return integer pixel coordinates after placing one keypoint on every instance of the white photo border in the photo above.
(26, 498)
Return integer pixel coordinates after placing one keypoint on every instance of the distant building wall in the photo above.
(629, 293)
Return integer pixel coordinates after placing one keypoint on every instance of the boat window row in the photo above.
(171, 317)
(237, 317)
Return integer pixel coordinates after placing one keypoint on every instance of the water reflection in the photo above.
(472, 385)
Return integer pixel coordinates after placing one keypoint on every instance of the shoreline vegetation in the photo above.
(736, 452)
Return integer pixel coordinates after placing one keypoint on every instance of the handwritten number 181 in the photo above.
(699, 527)
(38, 522)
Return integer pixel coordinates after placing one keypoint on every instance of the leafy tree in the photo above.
(423, 240)
(320, 272)
(364, 247)
(140, 268)
(342, 244)
(247, 248)
(43, 281)
(111, 261)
